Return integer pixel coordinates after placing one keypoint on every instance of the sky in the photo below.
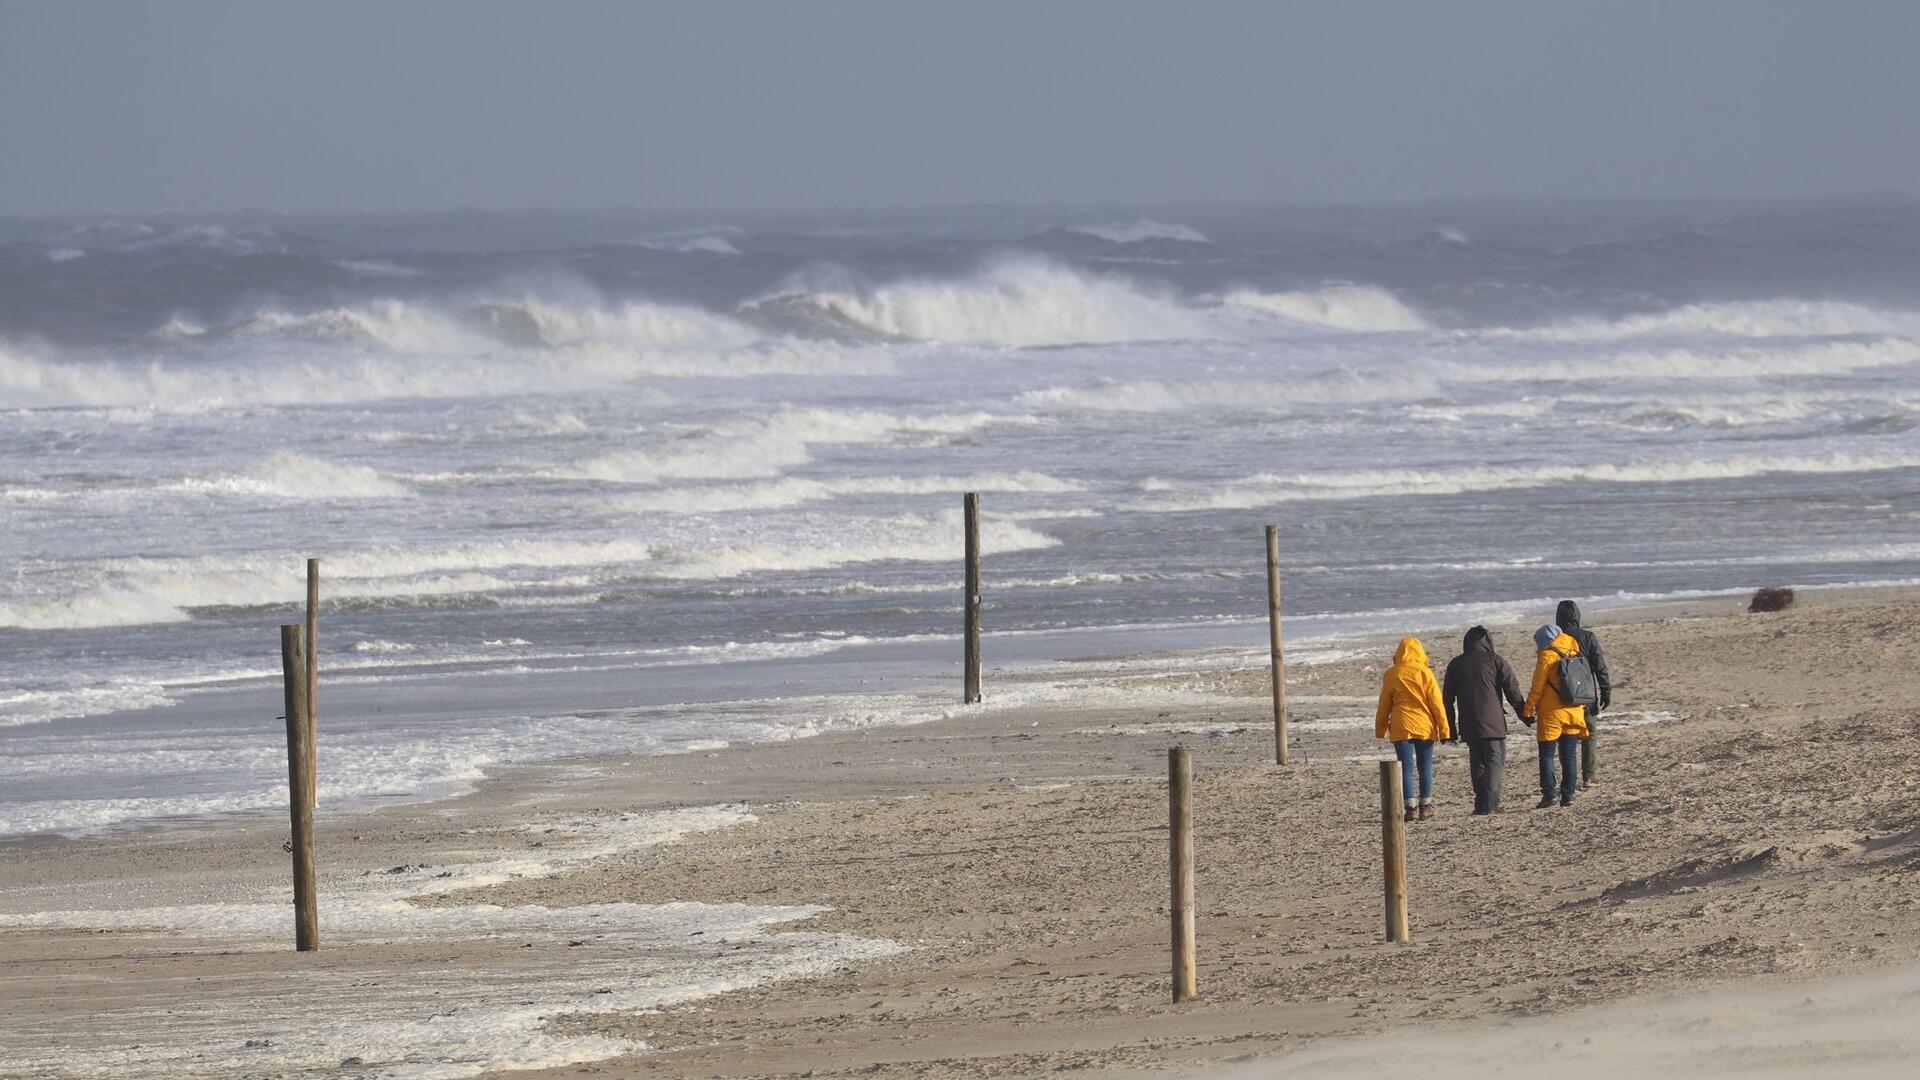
(192, 105)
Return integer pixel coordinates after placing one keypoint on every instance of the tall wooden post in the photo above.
(1279, 660)
(313, 680)
(1180, 862)
(293, 663)
(971, 505)
(1393, 845)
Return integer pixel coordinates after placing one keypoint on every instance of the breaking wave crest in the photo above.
(287, 475)
(1269, 489)
(1754, 319)
(796, 491)
(1753, 361)
(1141, 230)
(1014, 302)
(1338, 307)
(766, 445)
(1339, 386)
(136, 591)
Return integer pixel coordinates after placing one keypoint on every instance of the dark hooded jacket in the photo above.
(1476, 682)
(1568, 616)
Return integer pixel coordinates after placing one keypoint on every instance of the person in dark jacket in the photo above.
(1477, 681)
(1568, 616)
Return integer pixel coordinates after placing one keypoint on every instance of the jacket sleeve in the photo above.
(1450, 692)
(1436, 707)
(1542, 671)
(1509, 685)
(1385, 707)
(1601, 675)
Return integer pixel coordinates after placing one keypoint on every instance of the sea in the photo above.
(630, 482)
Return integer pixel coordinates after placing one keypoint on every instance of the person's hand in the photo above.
(1527, 720)
(1606, 702)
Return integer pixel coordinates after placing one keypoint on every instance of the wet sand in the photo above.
(1754, 829)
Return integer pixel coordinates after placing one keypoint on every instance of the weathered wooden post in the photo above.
(971, 505)
(1279, 660)
(1180, 861)
(1393, 843)
(313, 680)
(293, 663)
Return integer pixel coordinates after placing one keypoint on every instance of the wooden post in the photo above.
(971, 506)
(1393, 843)
(1279, 661)
(313, 681)
(293, 663)
(1180, 861)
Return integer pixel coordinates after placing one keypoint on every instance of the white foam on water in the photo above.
(135, 591)
(768, 444)
(1170, 395)
(1019, 301)
(497, 1016)
(1270, 489)
(796, 491)
(288, 475)
(1340, 306)
(1140, 230)
(1784, 317)
(708, 244)
(18, 707)
(1738, 363)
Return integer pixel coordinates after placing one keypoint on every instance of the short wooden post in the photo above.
(313, 680)
(1393, 843)
(971, 506)
(1279, 660)
(293, 663)
(1180, 860)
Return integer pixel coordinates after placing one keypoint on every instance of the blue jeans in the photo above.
(1412, 753)
(1567, 749)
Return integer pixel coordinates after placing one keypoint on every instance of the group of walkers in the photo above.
(1571, 687)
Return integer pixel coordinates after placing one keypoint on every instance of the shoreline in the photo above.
(1119, 647)
(1013, 851)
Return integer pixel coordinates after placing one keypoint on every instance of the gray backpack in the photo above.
(1577, 684)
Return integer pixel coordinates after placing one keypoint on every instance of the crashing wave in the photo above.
(1015, 302)
(1269, 489)
(288, 475)
(136, 591)
(1141, 230)
(1755, 318)
(707, 244)
(764, 446)
(1341, 306)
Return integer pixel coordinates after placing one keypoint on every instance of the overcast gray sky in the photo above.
(191, 105)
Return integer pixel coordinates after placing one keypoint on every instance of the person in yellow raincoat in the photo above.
(1412, 716)
(1557, 726)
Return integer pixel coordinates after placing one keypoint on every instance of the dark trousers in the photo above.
(1567, 749)
(1488, 762)
(1589, 758)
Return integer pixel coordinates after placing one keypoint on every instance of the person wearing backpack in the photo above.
(1477, 682)
(1568, 618)
(1412, 716)
(1557, 723)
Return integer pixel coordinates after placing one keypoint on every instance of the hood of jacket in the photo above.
(1567, 615)
(1410, 652)
(1477, 638)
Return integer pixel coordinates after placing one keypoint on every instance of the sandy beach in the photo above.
(986, 895)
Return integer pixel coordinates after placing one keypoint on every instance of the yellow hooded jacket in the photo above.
(1553, 717)
(1410, 705)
